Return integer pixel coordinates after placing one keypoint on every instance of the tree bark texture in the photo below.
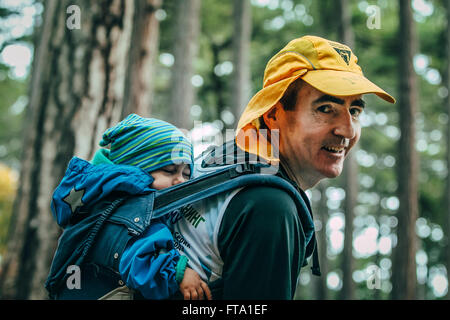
(77, 87)
(346, 35)
(404, 265)
(351, 194)
(241, 84)
(138, 95)
(321, 214)
(185, 51)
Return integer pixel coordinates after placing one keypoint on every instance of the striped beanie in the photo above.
(149, 144)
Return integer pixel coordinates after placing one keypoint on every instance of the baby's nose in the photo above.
(179, 179)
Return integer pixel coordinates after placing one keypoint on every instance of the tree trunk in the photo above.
(351, 193)
(320, 283)
(241, 83)
(76, 92)
(350, 173)
(185, 51)
(138, 95)
(447, 103)
(404, 264)
(346, 33)
(217, 82)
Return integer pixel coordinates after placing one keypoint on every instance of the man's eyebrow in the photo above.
(328, 98)
(359, 102)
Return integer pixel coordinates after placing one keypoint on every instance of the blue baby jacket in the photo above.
(105, 211)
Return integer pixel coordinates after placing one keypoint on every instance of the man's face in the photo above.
(317, 134)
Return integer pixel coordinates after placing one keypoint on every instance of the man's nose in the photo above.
(345, 126)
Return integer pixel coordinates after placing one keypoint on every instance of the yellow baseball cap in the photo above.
(328, 66)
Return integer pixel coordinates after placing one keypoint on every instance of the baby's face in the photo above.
(170, 175)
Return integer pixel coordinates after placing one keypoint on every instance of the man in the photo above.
(250, 243)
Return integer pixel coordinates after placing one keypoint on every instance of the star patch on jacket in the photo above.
(75, 199)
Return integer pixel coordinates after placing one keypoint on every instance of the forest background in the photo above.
(70, 69)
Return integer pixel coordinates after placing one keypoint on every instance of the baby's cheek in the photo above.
(161, 183)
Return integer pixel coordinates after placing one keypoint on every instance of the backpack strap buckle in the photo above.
(246, 168)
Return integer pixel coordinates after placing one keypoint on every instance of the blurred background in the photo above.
(70, 69)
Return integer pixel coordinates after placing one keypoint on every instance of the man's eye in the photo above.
(355, 112)
(325, 108)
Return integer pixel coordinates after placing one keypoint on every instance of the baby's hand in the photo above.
(194, 288)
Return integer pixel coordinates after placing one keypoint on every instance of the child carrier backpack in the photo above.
(76, 242)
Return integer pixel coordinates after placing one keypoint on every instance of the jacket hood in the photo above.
(85, 184)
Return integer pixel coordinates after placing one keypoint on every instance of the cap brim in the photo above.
(265, 99)
(248, 137)
(342, 83)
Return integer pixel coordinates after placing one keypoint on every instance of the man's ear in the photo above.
(270, 117)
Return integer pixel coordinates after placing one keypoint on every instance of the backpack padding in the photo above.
(78, 254)
(215, 185)
(230, 178)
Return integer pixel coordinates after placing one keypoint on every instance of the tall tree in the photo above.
(447, 103)
(138, 95)
(404, 263)
(346, 35)
(241, 55)
(185, 51)
(321, 214)
(218, 83)
(77, 87)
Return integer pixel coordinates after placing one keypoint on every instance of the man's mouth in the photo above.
(334, 149)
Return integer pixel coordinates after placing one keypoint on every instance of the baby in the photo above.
(144, 155)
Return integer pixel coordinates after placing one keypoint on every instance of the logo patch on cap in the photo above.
(345, 54)
(342, 50)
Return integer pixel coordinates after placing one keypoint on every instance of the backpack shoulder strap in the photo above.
(207, 185)
(230, 178)
(80, 241)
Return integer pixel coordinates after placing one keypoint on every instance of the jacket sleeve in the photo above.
(149, 263)
(262, 244)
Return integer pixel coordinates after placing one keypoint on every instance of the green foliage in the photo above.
(274, 23)
(13, 93)
(12, 90)
(13, 102)
(8, 186)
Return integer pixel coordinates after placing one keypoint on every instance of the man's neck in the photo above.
(298, 178)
